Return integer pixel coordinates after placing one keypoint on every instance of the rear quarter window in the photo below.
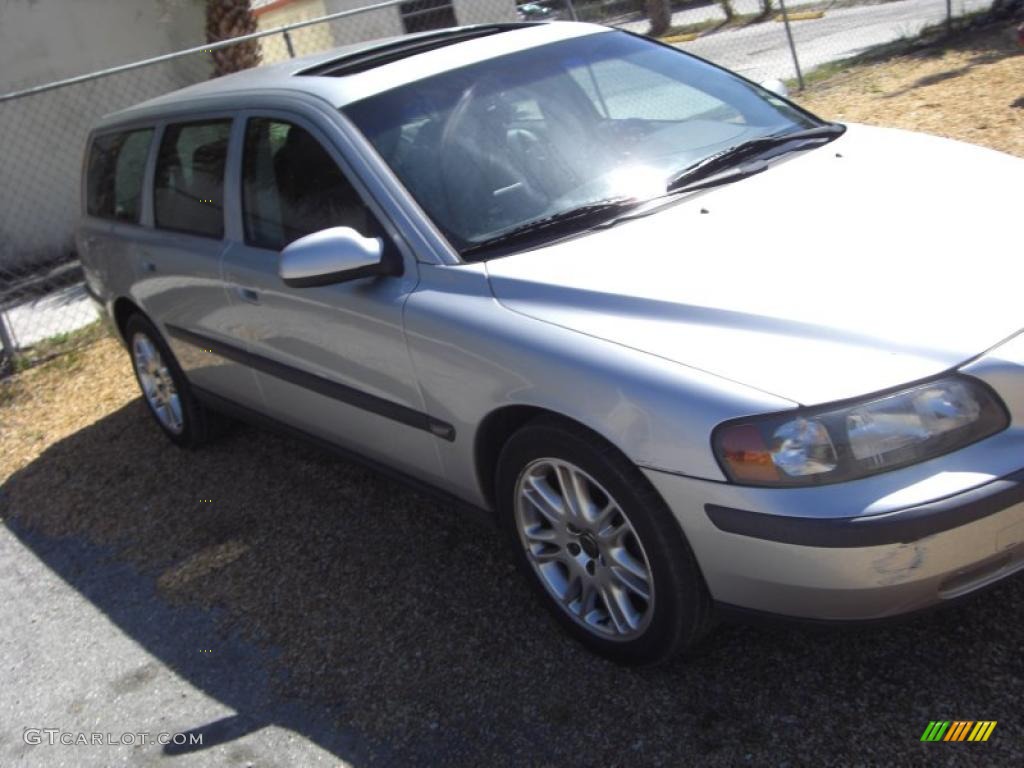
(117, 164)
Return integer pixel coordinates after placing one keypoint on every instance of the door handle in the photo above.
(148, 266)
(248, 294)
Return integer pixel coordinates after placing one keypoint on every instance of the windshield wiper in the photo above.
(549, 227)
(730, 157)
(721, 168)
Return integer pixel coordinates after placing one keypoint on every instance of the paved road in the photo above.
(712, 10)
(106, 657)
(760, 51)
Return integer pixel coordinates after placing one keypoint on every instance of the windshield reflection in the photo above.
(493, 146)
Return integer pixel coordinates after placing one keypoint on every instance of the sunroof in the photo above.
(401, 49)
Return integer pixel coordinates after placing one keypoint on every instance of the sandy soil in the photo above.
(972, 91)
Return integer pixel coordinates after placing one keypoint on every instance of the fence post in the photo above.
(288, 43)
(949, 17)
(6, 344)
(792, 45)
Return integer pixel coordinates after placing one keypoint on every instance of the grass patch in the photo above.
(60, 348)
(60, 344)
(9, 391)
(937, 36)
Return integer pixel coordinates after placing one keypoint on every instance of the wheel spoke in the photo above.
(614, 603)
(538, 532)
(174, 407)
(635, 583)
(142, 354)
(542, 555)
(623, 557)
(163, 412)
(614, 532)
(574, 492)
(573, 590)
(148, 386)
(603, 518)
(544, 500)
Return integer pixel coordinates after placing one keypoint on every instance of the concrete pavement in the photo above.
(88, 649)
(760, 51)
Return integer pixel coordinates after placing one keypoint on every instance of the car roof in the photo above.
(463, 46)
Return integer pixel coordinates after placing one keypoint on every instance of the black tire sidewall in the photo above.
(681, 602)
(193, 415)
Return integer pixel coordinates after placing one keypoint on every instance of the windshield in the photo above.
(493, 146)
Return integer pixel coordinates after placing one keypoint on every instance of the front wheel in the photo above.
(599, 545)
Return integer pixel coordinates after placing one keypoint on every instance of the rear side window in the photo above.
(188, 194)
(117, 163)
(292, 187)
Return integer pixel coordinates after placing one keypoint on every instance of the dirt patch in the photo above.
(972, 90)
(43, 405)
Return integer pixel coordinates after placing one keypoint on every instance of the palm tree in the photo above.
(660, 14)
(226, 19)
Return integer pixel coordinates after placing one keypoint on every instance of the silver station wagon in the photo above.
(697, 350)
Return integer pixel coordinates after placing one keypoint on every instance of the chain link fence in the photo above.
(43, 305)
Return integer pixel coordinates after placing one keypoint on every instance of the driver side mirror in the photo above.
(776, 86)
(335, 255)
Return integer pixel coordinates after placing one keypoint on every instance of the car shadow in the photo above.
(389, 629)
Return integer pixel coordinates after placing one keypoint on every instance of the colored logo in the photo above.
(959, 730)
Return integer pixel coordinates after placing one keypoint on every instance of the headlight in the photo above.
(830, 444)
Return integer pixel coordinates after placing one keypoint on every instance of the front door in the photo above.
(330, 360)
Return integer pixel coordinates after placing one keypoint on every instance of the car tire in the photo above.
(613, 527)
(165, 389)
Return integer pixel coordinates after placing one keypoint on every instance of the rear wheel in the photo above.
(164, 387)
(599, 545)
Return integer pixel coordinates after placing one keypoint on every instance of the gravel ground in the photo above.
(401, 623)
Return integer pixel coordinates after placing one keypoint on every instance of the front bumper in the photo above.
(863, 567)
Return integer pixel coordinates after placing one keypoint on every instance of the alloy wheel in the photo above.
(157, 383)
(583, 548)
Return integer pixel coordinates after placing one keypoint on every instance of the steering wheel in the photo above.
(484, 188)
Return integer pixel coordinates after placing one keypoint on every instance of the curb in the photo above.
(801, 16)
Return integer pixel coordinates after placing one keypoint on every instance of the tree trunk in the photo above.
(226, 19)
(660, 14)
(727, 9)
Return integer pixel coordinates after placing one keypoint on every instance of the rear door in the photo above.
(332, 360)
(178, 280)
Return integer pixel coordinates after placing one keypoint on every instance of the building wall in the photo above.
(45, 134)
(484, 11)
(46, 40)
(306, 40)
(383, 22)
(372, 25)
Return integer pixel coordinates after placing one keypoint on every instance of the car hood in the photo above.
(880, 258)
